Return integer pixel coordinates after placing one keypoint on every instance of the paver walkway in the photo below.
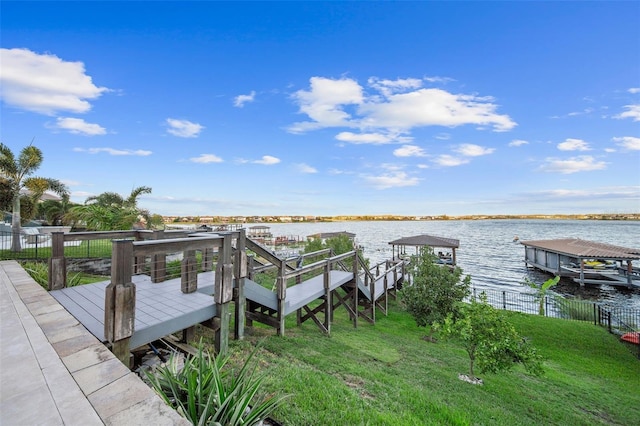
(54, 372)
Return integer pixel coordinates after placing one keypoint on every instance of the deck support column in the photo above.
(57, 278)
(223, 294)
(120, 301)
(240, 273)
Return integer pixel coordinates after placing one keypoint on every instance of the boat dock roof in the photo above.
(427, 240)
(584, 249)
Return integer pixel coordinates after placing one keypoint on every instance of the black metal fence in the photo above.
(617, 320)
(38, 247)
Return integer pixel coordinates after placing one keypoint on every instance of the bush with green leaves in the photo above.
(435, 291)
(490, 340)
(207, 393)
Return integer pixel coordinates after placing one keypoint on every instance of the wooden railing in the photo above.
(131, 250)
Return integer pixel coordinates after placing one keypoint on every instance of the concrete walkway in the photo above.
(54, 372)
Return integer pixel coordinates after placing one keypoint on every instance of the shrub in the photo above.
(436, 290)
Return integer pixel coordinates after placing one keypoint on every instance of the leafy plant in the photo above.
(207, 393)
(435, 292)
(490, 340)
(541, 291)
(40, 273)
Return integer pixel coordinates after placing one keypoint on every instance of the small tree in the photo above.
(436, 290)
(490, 340)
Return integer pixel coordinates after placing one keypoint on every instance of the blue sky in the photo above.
(330, 108)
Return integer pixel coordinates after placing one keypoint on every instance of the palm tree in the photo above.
(110, 211)
(15, 175)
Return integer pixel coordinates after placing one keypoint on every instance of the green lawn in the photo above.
(387, 375)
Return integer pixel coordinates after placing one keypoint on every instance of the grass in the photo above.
(387, 375)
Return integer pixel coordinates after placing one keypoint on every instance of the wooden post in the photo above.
(189, 272)
(355, 289)
(281, 288)
(327, 298)
(120, 301)
(158, 268)
(207, 259)
(223, 294)
(240, 274)
(57, 278)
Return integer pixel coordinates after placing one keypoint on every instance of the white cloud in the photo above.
(628, 142)
(443, 136)
(324, 103)
(518, 142)
(267, 160)
(432, 107)
(344, 103)
(240, 100)
(437, 79)
(391, 180)
(45, 83)
(363, 138)
(183, 128)
(409, 151)
(79, 126)
(584, 163)
(305, 168)
(206, 159)
(471, 150)
(389, 87)
(634, 90)
(633, 112)
(574, 145)
(446, 160)
(113, 151)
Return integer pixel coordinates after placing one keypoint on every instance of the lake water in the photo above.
(487, 251)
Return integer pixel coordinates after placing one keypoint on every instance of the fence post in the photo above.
(595, 314)
(504, 300)
(546, 306)
(57, 278)
(120, 301)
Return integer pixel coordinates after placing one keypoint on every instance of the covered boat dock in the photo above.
(432, 241)
(587, 262)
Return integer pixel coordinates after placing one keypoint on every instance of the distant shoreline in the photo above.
(347, 218)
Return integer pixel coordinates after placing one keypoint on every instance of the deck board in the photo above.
(161, 308)
(302, 294)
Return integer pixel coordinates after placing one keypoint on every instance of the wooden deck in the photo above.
(161, 308)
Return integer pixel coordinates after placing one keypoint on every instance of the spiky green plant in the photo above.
(207, 393)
